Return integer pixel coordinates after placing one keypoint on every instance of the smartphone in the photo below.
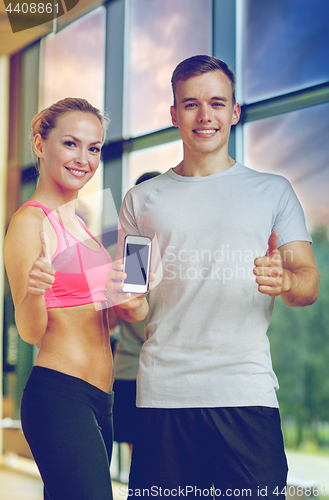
(136, 261)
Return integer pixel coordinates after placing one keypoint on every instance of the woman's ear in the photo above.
(38, 145)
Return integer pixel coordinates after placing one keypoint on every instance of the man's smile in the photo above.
(205, 132)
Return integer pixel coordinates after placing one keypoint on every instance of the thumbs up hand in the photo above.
(272, 244)
(41, 277)
(269, 269)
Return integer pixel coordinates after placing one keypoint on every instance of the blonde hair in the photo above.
(45, 121)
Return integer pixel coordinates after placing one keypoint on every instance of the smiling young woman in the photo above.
(57, 272)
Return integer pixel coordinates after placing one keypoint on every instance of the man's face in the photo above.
(204, 112)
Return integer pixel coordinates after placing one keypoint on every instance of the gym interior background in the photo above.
(119, 55)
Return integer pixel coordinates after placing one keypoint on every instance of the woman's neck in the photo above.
(56, 200)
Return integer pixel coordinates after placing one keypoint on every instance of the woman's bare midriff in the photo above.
(77, 343)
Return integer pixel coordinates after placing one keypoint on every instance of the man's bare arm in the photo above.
(289, 271)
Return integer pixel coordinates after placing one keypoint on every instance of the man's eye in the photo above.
(191, 105)
(217, 104)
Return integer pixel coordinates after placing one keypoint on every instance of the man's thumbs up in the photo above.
(269, 269)
(272, 243)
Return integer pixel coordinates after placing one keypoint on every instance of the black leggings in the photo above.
(68, 425)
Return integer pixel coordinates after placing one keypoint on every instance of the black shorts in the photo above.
(124, 411)
(207, 452)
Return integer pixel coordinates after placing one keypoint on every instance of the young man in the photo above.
(231, 239)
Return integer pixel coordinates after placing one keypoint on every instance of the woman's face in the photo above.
(70, 155)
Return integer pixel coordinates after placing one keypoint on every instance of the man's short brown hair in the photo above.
(197, 65)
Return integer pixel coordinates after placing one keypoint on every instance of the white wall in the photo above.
(4, 99)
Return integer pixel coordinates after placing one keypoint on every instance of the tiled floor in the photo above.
(19, 486)
(21, 481)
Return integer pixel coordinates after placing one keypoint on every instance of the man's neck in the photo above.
(203, 165)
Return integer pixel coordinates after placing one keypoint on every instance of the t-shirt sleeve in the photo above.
(289, 221)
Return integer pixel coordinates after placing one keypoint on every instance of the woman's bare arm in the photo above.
(29, 273)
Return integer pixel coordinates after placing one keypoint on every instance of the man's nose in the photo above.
(205, 114)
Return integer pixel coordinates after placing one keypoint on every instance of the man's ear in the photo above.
(173, 116)
(38, 145)
(236, 113)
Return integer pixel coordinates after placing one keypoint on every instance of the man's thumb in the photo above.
(272, 243)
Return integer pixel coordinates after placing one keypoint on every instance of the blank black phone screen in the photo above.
(136, 264)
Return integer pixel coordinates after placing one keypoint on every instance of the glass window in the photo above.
(28, 103)
(157, 158)
(163, 33)
(73, 61)
(295, 145)
(73, 65)
(285, 46)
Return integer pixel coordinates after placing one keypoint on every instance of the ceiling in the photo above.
(13, 42)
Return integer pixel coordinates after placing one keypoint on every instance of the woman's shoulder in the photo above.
(25, 225)
(30, 215)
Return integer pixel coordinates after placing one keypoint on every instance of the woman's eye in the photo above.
(94, 149)
(69, 143)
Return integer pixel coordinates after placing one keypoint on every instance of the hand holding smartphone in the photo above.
(136, 261)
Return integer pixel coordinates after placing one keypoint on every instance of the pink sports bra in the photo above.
(80, 271)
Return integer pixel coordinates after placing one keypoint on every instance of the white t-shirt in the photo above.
(206, 329)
